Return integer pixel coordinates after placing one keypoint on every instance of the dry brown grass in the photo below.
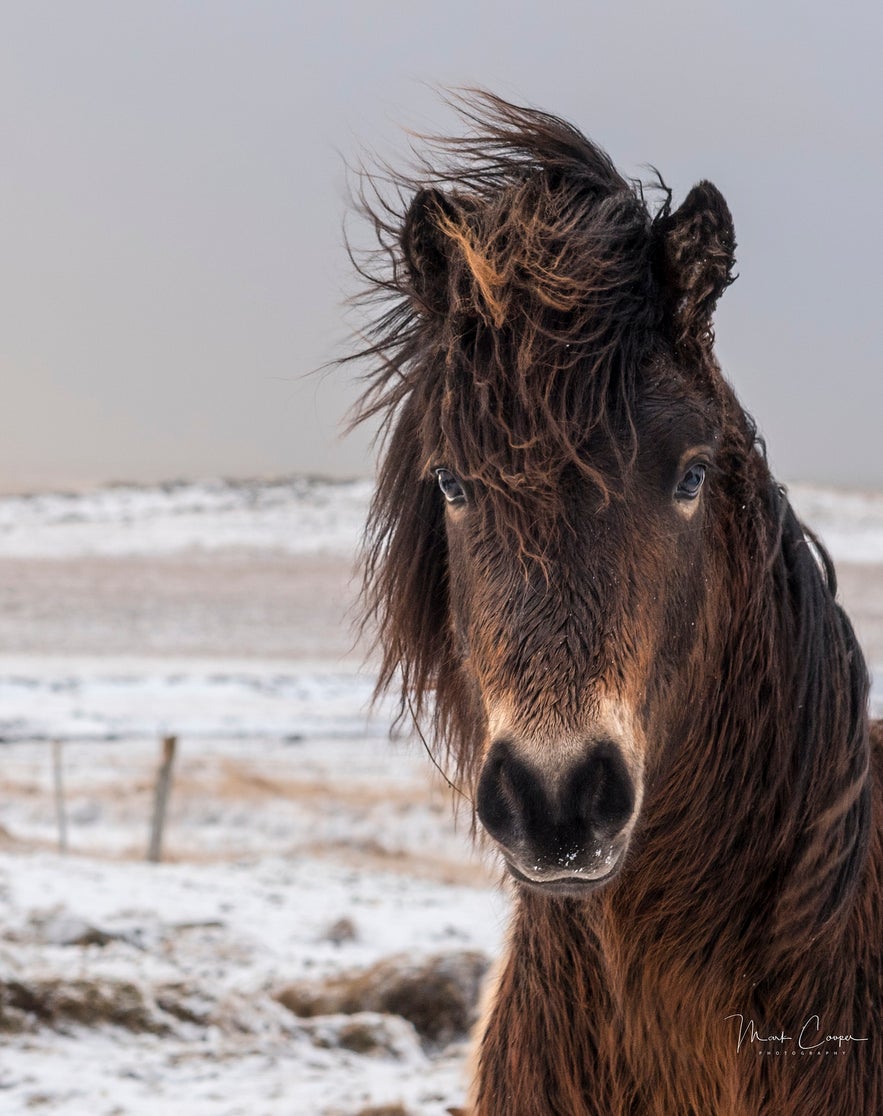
(437, 995)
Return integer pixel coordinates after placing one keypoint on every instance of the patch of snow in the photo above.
(222, 937)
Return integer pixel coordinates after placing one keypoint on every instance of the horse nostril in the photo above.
(510, 800)
(600, 791)
(495, 808)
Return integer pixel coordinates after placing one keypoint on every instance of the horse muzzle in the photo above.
(564, 831)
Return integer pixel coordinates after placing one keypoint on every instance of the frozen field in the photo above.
(301, 843)
(285, 862)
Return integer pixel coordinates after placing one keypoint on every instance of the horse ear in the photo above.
(425, 249)
(697, 243)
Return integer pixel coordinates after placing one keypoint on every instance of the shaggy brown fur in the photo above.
(547, 338)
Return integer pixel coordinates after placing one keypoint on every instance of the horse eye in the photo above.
(450, 486)
(691, 482)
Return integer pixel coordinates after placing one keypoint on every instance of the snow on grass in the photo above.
(272, 847)
(221, 939)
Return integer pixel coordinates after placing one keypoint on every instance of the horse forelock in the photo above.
(551, 310)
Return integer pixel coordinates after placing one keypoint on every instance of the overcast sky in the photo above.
(172, 192)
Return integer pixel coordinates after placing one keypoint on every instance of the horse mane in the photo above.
(782, 723)
(803, 693)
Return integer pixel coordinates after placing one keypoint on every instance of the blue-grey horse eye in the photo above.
(691, 482)
(450, 486)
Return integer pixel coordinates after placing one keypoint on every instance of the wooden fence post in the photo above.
(60, 811)
(161, 798)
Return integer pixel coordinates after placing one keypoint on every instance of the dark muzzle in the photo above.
(561, 827)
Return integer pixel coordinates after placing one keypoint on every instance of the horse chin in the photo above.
(563, 885)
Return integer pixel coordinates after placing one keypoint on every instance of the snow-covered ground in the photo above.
(302, 842)
(275, 839)
(46, 698)
(283, 861)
